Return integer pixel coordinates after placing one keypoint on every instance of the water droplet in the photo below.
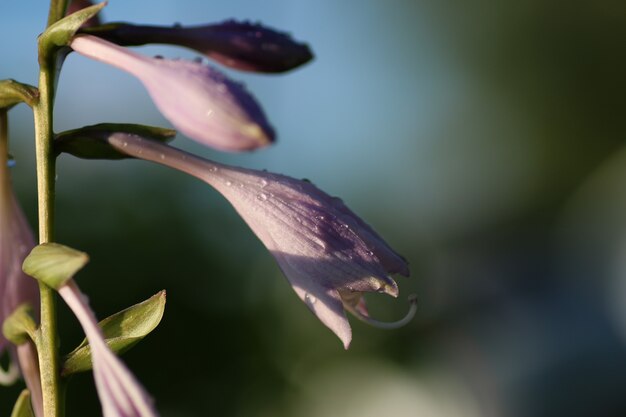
(309, 299)
(263, 183)
(209, 112)
(344, 226)
(370, 253)
(228, 183)
(262, 197)
(162, 156)
(213, 169)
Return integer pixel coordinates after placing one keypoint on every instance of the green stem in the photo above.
(48, 340)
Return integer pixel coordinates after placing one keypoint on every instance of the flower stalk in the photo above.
(47, 342)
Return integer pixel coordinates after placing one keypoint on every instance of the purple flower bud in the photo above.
(76, 5)
(329, 255)
(198, 100)
(240, 45)
(119, 392)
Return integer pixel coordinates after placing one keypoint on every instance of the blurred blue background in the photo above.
(482, 139)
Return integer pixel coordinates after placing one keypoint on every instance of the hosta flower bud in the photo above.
(241, 45)
(198, 100)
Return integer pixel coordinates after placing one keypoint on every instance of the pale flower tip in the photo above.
(259, 137)
(391, 289)
(346, 343)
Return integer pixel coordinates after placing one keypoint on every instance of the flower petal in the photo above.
(120, 393)
(323, 248)
(198, 100)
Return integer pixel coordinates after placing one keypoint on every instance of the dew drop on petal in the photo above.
(228, 183)
(309, 299)
(263, 183)
(213, 169)
(262, 197)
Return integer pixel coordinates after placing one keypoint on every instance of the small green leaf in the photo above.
(13, 92)
(90, 142)
(121, 331)
(20, 327)
(60, 33)
(54, 264)
(22, 406)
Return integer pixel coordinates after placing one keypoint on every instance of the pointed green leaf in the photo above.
(19, 327)
(90, 142)
(61, 33)
(22, 406)
(13, 92)
(121, 331)
(54, 264)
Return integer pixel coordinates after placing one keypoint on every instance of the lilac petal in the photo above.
(29, 365)
(325, 303)
(324, 249)
(198, 100)
(16, 241)
(120, 393)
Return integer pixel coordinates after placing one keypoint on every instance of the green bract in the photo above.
(22, 406)
(13, 92)
(54, 264)
(19, 327)
(121, 331)
(60, 33)
(89, 142)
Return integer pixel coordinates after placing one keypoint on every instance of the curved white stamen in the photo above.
(9, 376)
(387, 325)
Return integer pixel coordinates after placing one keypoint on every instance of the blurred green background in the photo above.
(483, 140)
